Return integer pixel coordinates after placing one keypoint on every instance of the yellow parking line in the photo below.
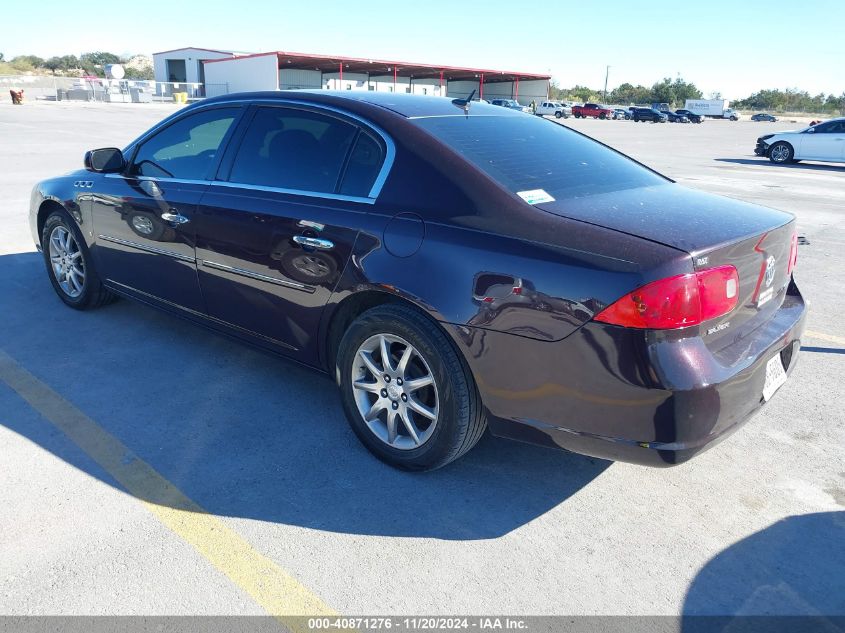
(276, 590)
(825, 337)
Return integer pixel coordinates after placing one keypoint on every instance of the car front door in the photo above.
(825, 142)
(144, 217)
(276, 229)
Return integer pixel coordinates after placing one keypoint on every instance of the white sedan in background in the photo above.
(824, 141)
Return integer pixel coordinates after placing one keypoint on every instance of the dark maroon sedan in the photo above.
(454, 266)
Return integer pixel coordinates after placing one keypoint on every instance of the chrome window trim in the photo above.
(244, 185)
(181, 181)
(258, 276)
(375, 190)
(149, 249)
(294, 192)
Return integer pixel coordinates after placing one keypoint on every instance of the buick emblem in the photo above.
(770, 271)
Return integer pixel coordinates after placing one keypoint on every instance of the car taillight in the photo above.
(793, 254)
(676, 302)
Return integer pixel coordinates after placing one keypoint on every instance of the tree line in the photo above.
(672, 91)
(676, 91)
(86, 64)
(793, 100)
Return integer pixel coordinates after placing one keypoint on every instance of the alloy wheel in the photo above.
(780, 153)
(395, 391)
(67, 261)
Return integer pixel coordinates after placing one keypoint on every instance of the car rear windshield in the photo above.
(527, 153)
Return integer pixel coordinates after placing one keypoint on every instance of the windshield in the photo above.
(525, 154)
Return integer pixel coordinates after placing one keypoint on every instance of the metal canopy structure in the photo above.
(331, 64)
(397, 69)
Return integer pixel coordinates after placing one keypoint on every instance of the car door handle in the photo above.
(174, 216)
(313, 242)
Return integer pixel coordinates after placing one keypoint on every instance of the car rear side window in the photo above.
(526, 153)
(363, 166)
(187, 148)
(291, 148)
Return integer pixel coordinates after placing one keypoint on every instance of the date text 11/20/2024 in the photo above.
(417, 624)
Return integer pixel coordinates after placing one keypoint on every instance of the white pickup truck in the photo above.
(553, 108)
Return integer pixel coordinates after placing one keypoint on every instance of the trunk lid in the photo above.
(715, 231)
(762, 262)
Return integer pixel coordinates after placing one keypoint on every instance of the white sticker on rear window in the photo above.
(535, 196)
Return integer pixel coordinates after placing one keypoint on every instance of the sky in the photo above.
(735, 48)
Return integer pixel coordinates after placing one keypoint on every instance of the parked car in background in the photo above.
(513, 104)
(564, 295)
(674, 117)
(552, 108)
(648, 114)
(565, 108)
(824, 142)
(692, 116)
(763, 116)
(621, 115)
(594, 110)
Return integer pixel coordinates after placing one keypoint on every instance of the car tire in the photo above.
(426, 442)
(558, 115)
(781, 153)
(602, 116)
(69, 264)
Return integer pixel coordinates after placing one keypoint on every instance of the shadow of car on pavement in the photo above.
(765, 162)
(795, 567)
(247, 434)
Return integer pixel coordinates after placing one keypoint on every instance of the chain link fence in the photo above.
(45, 87)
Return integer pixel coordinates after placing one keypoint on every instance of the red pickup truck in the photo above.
(592, 109)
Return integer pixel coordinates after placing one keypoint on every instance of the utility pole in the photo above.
(606, 74)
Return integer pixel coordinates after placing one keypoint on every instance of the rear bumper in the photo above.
(621, 394)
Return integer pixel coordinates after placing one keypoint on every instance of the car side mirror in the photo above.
(107, 160)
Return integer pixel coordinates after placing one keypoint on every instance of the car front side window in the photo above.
(187, 148)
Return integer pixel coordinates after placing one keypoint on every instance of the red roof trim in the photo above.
(196, 48)
(400, 64)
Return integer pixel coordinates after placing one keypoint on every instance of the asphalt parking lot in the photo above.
(150, 467)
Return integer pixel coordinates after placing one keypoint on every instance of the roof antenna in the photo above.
(464, 103)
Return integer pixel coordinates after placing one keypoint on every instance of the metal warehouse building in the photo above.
(185, 65)
(224, 72)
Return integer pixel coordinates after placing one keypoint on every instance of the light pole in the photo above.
(606, 74)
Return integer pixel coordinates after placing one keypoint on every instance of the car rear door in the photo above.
(144, 217)
(277, 227)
